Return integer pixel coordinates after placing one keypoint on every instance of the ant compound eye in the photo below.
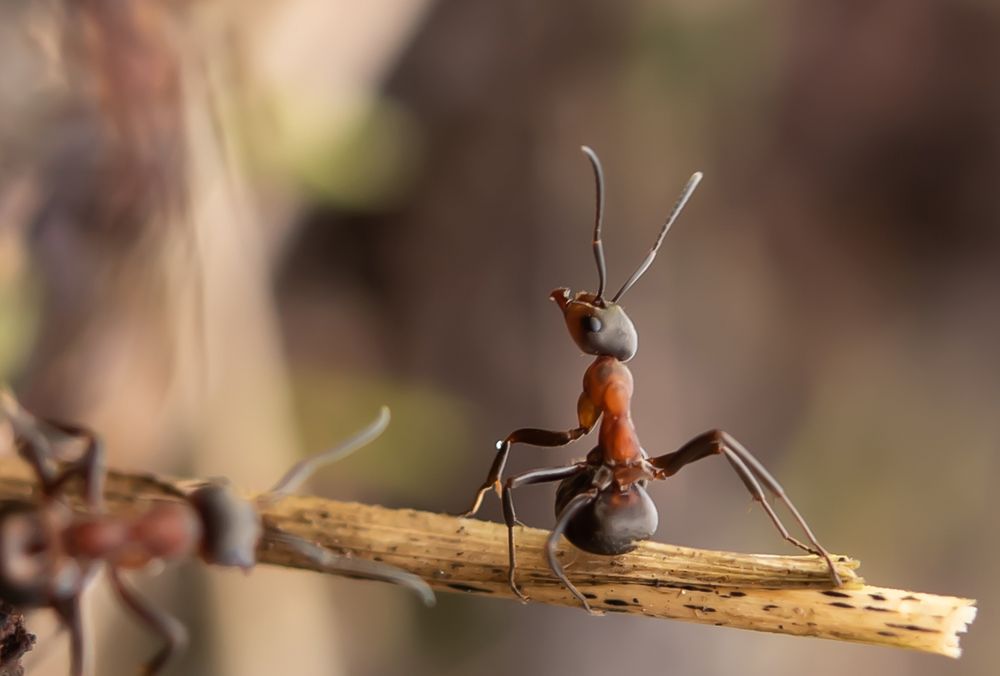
(591, 324)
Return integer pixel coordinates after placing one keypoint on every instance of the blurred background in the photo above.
(229, 231)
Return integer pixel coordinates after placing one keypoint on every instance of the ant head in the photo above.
(597, 326)
(600, 326)
(231, 525)
(32, 572)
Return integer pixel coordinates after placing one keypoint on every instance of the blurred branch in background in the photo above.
(779, 594)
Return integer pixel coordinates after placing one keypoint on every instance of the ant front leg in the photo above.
(536, 476)
(174, 634)
(531, 436)
(753, 474)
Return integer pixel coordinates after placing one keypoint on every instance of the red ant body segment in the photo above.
(601, 503)
(48, 553)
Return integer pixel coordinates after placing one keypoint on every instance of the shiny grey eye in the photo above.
(591, 324)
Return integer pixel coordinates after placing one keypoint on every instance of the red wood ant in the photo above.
(601, 504)
(48, 553)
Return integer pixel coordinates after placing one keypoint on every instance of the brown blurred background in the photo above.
(229, 231)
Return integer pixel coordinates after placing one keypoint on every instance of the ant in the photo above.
(601, 503)
(48, 553)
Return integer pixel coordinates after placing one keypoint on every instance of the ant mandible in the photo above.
(48, 553)
(601, 504)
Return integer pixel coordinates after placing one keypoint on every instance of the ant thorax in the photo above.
(32, 570)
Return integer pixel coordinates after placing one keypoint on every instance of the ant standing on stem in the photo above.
(601, 504)
(48, 553)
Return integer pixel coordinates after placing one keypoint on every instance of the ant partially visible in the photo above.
(48, 553)
(34, 447)
(601, 504)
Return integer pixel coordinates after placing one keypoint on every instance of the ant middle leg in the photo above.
(536, 476)
(169, 628)
(527, 435)
(752, 473)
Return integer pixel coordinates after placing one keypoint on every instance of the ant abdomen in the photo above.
(614, 522)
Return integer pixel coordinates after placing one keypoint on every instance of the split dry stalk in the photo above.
(781, 594)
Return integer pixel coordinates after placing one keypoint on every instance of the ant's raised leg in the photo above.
(351, 567)
(174, 634)
(90, 465)
(530, 436)
(752, 473)
(536, 476)
(571, 509)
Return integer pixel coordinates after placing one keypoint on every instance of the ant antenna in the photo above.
(301, 471)
(344, 564)
(598, 219)
(678, 207)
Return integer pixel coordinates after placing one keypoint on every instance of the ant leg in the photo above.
(572, 508)
(737, 455)
(749, 469)
(90, 465)
(302, 470)
(714, 443)
(69, 612)
(31, 444)
(528, 435)
(351, 567)
(175, 636)
(536, 476)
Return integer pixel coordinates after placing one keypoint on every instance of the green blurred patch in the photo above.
(362, 156)
(19, 316)
(894, 448)
(413, 460)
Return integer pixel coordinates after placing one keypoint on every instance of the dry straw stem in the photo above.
(781, 594)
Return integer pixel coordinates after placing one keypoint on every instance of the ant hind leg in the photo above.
(752, 473)
(69, 612)
(89, 466)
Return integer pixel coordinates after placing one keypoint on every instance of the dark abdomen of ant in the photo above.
(614, 522)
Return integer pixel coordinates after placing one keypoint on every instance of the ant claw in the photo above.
(517, 592)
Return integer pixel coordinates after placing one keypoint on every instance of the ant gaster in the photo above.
(49, 553)
(601, 504)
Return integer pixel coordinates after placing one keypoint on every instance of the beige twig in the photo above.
(781, 594)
